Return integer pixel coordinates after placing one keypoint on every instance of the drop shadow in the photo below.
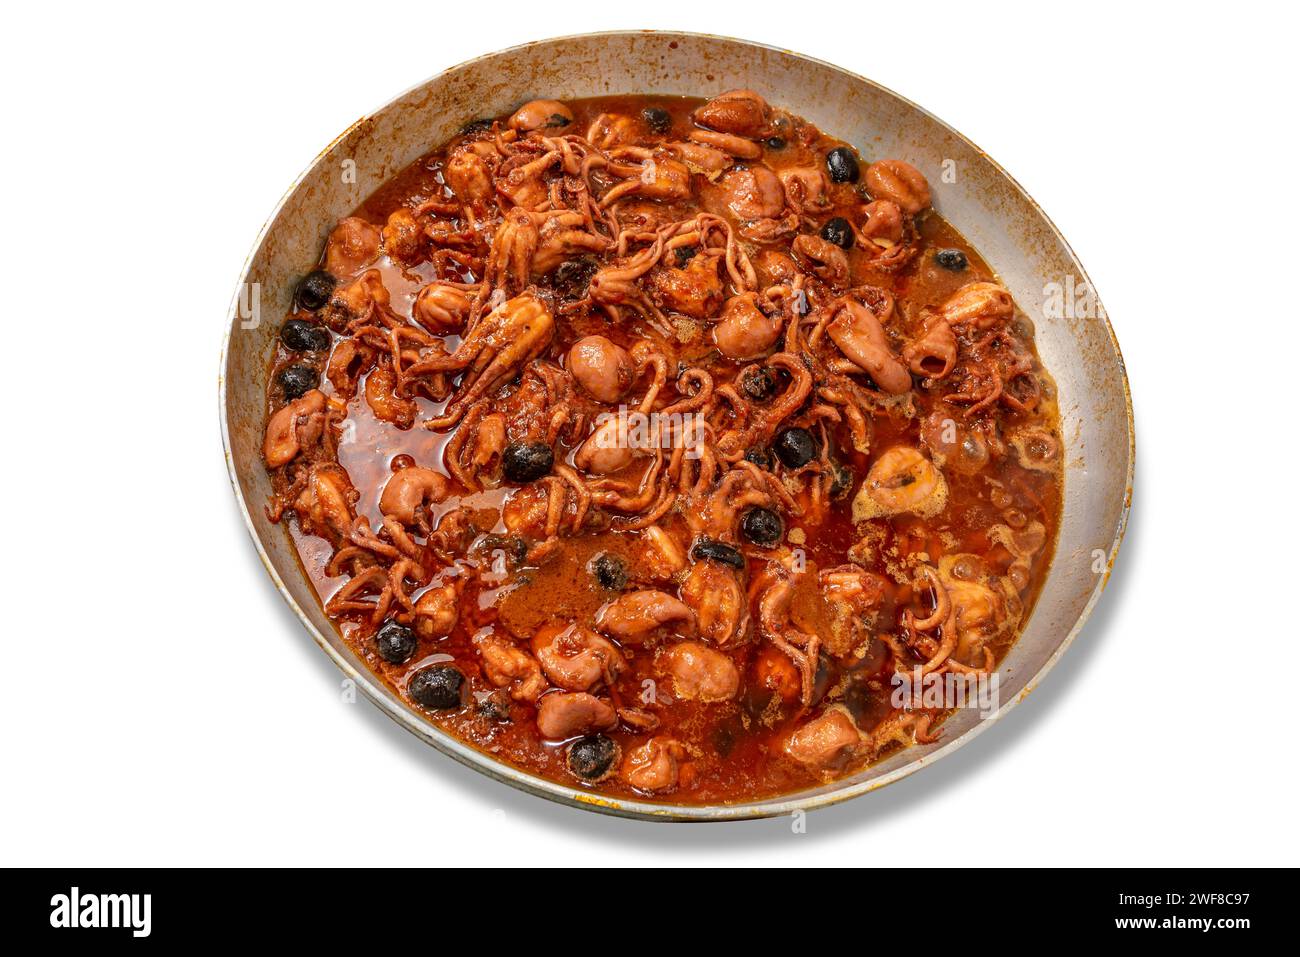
(979, 756)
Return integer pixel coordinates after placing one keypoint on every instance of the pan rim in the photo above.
(639, 809)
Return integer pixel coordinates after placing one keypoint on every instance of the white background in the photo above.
(160, 705)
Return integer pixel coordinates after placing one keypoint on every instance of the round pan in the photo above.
(1034, 261)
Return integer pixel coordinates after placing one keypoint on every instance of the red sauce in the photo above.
(992, 439)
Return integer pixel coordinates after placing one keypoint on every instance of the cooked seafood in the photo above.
(642, 441)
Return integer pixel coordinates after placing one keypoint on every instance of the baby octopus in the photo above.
(507, 666)
(564, 714)
(512, 334)
(634, 616)
(826, 741)
(295, 427)
(602, 368)
(654, 767)
(408, 494)
(860, 336)
(723, 427)
(718, 600)
(901, 480)
(700, 673)
(576, 658)
(744, 330)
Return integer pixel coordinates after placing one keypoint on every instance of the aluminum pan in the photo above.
(984, 202)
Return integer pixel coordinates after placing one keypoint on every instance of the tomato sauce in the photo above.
(988, 428)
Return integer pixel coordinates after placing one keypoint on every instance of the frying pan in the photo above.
(977, 196)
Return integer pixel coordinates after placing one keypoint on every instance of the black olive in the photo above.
(295, 380)
(314, 290)
(438, 688)
(953, 259)
(657, 119)
(610, 571)
(495, 706)
(795, 447)
(775, 143)
(572, 276)
(592, 757)
(759, 456)
(514, 548)
(684, 254)
(841, 480)
(842, 164)
(558, 119)
(838, 232)
(302, 336)
(395, 642)
(526, 461)
(475, 126)
(762, 526)
(758, 384)
(708, 549)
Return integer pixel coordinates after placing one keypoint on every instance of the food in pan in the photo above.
(640, 442)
